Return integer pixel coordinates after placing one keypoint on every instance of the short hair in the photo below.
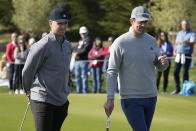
(186, 20)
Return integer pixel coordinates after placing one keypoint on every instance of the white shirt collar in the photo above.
(14, 43)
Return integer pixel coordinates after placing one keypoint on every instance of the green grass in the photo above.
(1, 54)
(86, 113)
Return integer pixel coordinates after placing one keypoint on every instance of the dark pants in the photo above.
(177, 68)
(48, 117)
(11, 76)
(165, 76)
(18, 76)
(139, 112)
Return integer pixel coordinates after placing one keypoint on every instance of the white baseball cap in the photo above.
(83, 29)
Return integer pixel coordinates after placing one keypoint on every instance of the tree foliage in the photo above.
(33, 15)
(86, 13)
(102, 17)
(167, 14)
(6, 11)
(117, 14)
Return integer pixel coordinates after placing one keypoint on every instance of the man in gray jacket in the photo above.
(46, 73)
(134, 57)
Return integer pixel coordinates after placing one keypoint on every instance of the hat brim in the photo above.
(142, 19)
(62, 20)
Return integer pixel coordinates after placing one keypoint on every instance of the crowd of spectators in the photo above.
(90, 57)
(13, 61)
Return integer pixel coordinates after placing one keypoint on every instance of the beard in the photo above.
(61, 32)
(141, 30)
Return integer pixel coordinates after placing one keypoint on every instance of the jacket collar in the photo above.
(53, 37)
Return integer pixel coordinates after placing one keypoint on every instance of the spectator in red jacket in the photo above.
(10, 57)
(106, 50)
(106, 53)
(96, 66)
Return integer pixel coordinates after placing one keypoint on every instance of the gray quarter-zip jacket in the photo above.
(46, 70)
(133, 59)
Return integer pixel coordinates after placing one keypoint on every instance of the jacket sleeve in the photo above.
(90, 55)
(93, 56)
(171, 49)
(157, 63)
(34, 61)
(105, 52)
(115, 59)
(99, 55)
(8, 51)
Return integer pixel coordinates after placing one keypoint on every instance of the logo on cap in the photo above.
(64, 15)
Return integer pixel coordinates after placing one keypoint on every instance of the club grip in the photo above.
(108, 124)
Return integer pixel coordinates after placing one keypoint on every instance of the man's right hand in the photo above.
(28, 95)
(181, 42)
(109, 106)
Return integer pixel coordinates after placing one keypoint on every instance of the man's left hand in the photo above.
(164, 60)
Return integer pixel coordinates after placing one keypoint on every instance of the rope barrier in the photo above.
(188, 57)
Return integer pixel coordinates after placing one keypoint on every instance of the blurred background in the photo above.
(102, 17)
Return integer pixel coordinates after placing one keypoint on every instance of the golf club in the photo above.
(108, 124)
(24, 116)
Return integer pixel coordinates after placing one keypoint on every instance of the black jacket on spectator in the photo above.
(82, 52)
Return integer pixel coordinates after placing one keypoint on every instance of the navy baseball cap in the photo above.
(59, 15)
(140, 13)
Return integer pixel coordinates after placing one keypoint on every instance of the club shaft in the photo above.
(24, 117)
